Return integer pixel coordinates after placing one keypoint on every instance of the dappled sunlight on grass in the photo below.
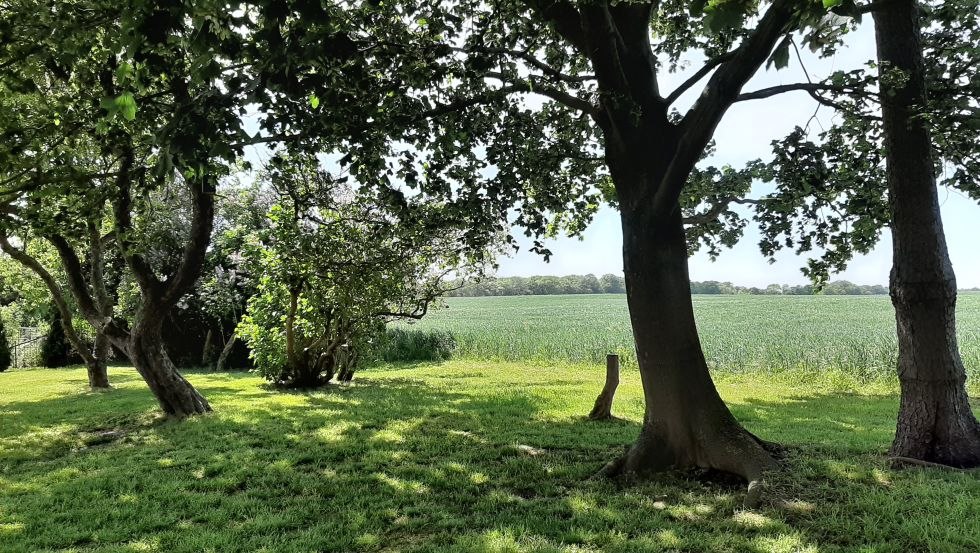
(457, 456)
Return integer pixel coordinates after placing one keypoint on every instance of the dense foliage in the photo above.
(335, 268)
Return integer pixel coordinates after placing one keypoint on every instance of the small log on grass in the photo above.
(603, 404)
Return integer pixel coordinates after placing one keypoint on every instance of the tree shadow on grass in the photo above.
(395, 464)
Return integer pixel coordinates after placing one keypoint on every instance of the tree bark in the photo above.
(686, 424)
(935, 422)
(602, 410)
(176, 396)
(98, 373)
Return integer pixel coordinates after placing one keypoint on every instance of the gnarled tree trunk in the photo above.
(176, 396)
(935, 422)
(686, 423)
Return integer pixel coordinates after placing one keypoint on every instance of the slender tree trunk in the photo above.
(225, 352)
(177, 397)
(686, 423)
(98, 374)
(602, 410)
(206, 351)
(935, 422)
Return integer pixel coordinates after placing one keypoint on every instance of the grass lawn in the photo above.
(461, 456)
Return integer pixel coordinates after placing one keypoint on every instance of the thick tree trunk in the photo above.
(177, 397)
(935, 422)
(98, 375)
(686, 423)
(602, 410)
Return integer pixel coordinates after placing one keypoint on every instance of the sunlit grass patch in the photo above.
(459, 456)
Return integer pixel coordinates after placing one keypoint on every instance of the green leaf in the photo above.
(123, 71)
(723, 17)
(314, 101)
(827, 4)
(126, 105)
(780, 56)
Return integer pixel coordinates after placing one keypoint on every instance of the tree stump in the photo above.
(603, 404)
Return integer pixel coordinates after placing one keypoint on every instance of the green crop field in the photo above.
(851, 334)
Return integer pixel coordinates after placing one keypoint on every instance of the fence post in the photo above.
(603, 404)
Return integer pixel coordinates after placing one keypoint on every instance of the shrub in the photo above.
(56, 351)
(4, 349)
(399, 344)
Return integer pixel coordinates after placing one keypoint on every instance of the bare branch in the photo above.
(701, 73)
(548, 70)
(559, 96)
(794, 87)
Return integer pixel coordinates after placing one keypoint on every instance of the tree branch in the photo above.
(96, 262)
(122, 207)
(701, 73)
(810, 88)
(195, 251)
(717, 209)
(559, 96)
(699, 124)
(548, 70)
(57, 295)
(565, 18)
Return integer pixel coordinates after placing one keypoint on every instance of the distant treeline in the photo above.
(613, 284)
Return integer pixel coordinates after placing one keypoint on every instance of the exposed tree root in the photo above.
(735, 452)
(897, 461)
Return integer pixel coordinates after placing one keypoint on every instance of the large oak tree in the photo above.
(533, 113)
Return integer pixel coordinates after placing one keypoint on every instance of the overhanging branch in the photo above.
(555, 94)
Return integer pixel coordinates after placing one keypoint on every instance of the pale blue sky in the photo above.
(743, 135)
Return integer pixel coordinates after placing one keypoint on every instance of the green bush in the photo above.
(56, 351)
(4, 349)
(401, 344)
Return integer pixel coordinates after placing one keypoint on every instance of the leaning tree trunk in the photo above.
(177, 397)
(225, 352)
(686, 423)
(935, 422)
(97, 365)
(602, 410)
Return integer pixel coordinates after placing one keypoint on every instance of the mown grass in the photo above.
(850, 334)
(458, 456)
